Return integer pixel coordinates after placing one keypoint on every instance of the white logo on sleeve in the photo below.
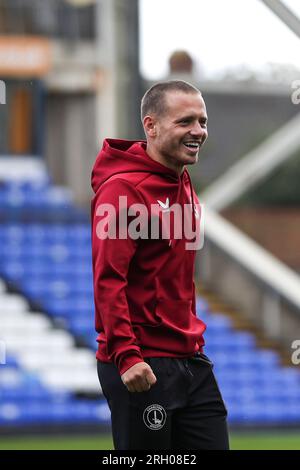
(154, 417)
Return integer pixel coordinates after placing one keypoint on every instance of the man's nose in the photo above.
(197, 130)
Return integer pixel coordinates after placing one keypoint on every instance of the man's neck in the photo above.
(179, 169)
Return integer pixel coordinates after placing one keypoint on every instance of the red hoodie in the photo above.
(143, 288)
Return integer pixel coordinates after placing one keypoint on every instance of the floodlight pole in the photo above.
(284, 14)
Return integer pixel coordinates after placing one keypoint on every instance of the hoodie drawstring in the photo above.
(193, 203)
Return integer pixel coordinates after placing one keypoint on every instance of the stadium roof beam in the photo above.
(285, 14)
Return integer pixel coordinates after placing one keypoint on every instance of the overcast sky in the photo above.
(219, 34)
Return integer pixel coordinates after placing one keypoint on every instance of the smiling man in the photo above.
(175, 123)
(159, 384)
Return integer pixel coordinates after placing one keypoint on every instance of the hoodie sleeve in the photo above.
(111, 259)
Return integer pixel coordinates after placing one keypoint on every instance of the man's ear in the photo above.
(149, 126)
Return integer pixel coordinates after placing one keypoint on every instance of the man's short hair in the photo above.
(153, 101)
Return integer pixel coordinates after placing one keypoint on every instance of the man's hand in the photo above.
(139, 378)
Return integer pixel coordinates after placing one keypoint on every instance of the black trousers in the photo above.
(183, 410)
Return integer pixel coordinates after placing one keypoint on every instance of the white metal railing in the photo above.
(255, 166)
(253, 257)
(284, 14)
(281, 281)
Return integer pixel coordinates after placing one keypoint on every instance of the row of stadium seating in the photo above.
(33, 201)
(39, 233)
(38, 351)
(53, 412)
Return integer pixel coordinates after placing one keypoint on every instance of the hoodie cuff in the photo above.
(128, 361)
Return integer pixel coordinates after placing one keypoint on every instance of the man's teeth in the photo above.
(192, 144)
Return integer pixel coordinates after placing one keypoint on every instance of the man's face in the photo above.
(182, 129)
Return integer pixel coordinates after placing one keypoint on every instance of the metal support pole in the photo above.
(285, 14)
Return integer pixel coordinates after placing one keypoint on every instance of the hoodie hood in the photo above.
(124, 156)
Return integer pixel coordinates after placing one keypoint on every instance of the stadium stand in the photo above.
(47, 325)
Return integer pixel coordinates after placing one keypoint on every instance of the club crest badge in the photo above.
(154, 417)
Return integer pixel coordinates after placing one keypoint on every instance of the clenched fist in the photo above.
(139, 378)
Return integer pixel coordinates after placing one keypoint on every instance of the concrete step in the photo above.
(218, 305)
